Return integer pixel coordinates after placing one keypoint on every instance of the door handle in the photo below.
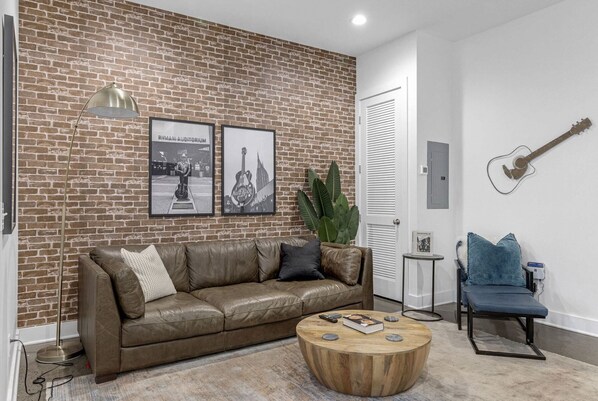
(396, 222)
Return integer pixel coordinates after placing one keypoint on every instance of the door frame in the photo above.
(404, 192)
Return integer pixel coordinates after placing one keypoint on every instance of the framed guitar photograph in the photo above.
(248, 171)
(181, 168)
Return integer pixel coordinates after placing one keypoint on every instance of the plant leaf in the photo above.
(342, 237)
(353, 222)
(327, 232)
(307, 211)
(311, 176)
(333, 181)
(322, 201)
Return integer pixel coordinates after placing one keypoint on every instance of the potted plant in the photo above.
(328, 214)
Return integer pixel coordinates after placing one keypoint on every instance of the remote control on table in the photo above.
(329, 318)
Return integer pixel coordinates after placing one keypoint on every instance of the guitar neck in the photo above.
(243, 164)
(540, 151)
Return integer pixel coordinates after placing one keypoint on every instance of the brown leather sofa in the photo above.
(227, 297)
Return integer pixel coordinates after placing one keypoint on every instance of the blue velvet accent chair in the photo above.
(491, 283)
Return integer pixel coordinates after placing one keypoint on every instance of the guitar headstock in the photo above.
(244, 150)
(581, 126)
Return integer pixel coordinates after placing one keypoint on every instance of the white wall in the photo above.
(424, 62)
(8, 275)
(434, 123)
(526, 82)
(385, 68)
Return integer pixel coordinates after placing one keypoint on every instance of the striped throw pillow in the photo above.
(151, 272)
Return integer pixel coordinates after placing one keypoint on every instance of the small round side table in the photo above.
(434, 315)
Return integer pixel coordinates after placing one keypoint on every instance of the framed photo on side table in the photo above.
(248, 171)
(181, 168)
(421, 243)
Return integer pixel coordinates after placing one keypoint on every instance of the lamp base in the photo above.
(59, 353)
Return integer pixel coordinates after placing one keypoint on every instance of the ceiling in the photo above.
(326, 24)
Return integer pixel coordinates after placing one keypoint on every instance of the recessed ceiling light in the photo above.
(359, 19)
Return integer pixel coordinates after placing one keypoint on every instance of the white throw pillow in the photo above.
(151, 272)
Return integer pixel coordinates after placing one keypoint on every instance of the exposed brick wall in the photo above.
(175, 67)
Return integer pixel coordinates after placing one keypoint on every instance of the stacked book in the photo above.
(363, 323)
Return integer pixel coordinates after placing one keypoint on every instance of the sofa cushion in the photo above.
(490, 264)
(300, 262)
(149, 269)
(251, 304)
(172, 255)
(343, 264)
(126, 287)
(172, 318)
(321, 295)
(220, 263)
(268, 253)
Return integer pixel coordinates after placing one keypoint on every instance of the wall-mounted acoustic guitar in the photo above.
(243, 191)
(507, 172)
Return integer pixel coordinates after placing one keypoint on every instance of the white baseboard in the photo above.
(574, 323)
(13, 373)
(425, 300)
(47, 333)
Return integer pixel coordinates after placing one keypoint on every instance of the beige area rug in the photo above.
(276, 371)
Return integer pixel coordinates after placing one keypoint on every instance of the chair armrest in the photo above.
(461, 275)
(99, 319)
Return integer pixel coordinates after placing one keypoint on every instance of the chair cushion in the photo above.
(151, 272)
(172, 318)
(300, 262)
(250, 304)
(490, 289)
(321, 295)
(342, 264)
(268, 253)
(490, 264)
(516, 304)
(126, 286)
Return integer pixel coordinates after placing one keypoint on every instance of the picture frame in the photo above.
(9, 125)
(181, 168)
(248, 171)
(422, 243)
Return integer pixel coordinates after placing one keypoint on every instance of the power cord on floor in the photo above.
(40, 380)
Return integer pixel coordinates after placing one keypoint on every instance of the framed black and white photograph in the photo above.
(248, 171)
(181, 168)
(422, 243)
(9, 126)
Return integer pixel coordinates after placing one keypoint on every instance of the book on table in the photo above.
(363, 323)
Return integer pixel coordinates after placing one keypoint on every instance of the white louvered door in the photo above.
(383, 163)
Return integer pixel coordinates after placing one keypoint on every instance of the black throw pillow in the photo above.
(300, 262)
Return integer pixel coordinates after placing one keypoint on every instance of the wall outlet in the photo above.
(423, 170)
(538, 272)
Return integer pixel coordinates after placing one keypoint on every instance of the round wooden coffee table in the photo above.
(365, 364)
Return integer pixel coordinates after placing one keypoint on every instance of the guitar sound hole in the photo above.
(520, 163)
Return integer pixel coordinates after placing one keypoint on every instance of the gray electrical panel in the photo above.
(438, 175)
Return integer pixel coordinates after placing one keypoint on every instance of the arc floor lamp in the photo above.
(108, 102)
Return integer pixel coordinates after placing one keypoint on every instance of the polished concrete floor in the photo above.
(559, 341)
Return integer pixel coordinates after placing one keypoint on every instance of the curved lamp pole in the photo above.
(108, 102)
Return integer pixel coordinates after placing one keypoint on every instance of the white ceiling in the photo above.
(326, 24)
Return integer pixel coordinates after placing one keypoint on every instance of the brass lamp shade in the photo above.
(110, 102)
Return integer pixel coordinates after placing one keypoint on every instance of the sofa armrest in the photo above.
(99, 319)
(366, 273)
